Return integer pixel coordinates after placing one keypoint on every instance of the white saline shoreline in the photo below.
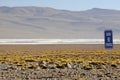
(55, 41)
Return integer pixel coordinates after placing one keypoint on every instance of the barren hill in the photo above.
(44, 22)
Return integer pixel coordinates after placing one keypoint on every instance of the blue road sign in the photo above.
(108, 39)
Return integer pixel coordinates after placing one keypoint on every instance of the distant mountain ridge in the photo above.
(49, 23)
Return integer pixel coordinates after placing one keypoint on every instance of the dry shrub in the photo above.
(81, 79)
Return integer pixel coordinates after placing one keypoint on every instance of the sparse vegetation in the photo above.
(74, 59)
(23, 58)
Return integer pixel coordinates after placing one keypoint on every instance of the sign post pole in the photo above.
(109, 55)
(109, 45)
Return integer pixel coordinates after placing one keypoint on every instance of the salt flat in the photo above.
(55, 41)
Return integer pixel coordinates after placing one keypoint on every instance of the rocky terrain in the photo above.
(53, 72)
(58, 62)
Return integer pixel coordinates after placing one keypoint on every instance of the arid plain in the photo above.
(59, 62)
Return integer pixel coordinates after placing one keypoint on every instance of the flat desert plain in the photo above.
(59, 62)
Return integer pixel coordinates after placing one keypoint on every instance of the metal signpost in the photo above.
(109, 45)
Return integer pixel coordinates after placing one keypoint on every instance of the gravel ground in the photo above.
(59, 74)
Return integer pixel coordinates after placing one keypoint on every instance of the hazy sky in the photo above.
(65, 4)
